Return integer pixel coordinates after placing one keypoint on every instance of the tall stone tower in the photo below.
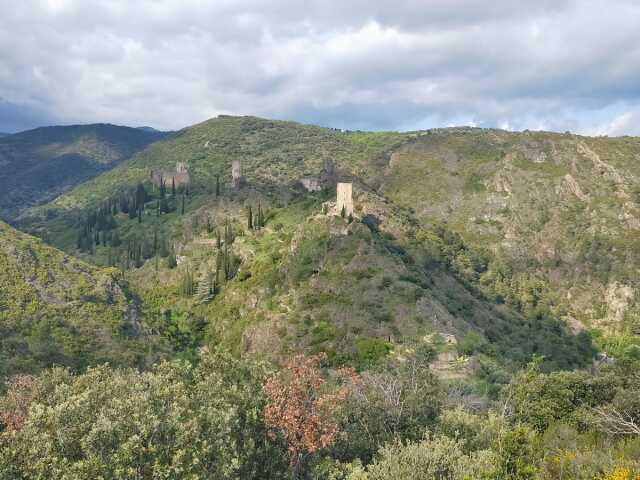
(345, 198)
(236, 174)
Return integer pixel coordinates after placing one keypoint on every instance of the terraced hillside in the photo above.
(37, 165)
(55, 309)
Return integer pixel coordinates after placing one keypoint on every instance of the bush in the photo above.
(438, 457)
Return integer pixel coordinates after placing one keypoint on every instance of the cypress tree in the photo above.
(343, 212)
(182, 209)
(155, 242)
(249, 218)
(173, 186)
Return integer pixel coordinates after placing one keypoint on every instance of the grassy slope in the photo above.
(55, 309)
(40, 164)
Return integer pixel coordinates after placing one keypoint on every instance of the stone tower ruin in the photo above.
(345, 198)
(236, 174)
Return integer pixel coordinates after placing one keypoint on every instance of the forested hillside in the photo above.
(37, 165)
(56, 310)
(301, 279)
(454, 323)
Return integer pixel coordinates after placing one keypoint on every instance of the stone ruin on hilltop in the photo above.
(180, 176)
(344, 198)
(237, 180)
(327, 178)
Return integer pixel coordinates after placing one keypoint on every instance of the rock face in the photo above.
(344, 198)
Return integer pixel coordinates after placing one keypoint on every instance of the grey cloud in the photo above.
(558, 64)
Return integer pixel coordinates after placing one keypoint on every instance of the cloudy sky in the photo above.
(359, 64)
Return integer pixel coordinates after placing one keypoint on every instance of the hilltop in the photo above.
(40, 164)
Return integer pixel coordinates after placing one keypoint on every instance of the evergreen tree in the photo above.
(115, 239)
(182, 209)
(173, 186)
(249, 218)
(172, 261)
(343, 212)
(187, 286)
(164, 251)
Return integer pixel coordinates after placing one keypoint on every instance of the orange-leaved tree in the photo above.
(14, 407)
(302, 408)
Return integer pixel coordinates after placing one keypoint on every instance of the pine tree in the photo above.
(249, 218)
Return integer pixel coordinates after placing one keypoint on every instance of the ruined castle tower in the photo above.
(345, 198)
(328, 174)
(236, 174)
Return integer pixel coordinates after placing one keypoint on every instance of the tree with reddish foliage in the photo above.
(302, 410)
(15, 405)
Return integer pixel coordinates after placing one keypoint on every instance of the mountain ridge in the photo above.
(42, 163)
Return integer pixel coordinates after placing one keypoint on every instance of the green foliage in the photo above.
(437, 457)
(175, 421)
(58, 310)
(540, 399)
(371, 350)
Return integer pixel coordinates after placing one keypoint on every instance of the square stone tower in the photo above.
(236, 174)
(345, 198)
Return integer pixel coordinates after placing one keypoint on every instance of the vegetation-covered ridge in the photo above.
(38, 165)
(297, 277)
(55, 309)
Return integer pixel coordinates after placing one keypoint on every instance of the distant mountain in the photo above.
(55, 309)
(148, 129)
(37, 165)
(3, 134)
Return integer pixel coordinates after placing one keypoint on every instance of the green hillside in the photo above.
(468, 296)
(40, 164)
(306, 280)
(55, 309)
(558, 214)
